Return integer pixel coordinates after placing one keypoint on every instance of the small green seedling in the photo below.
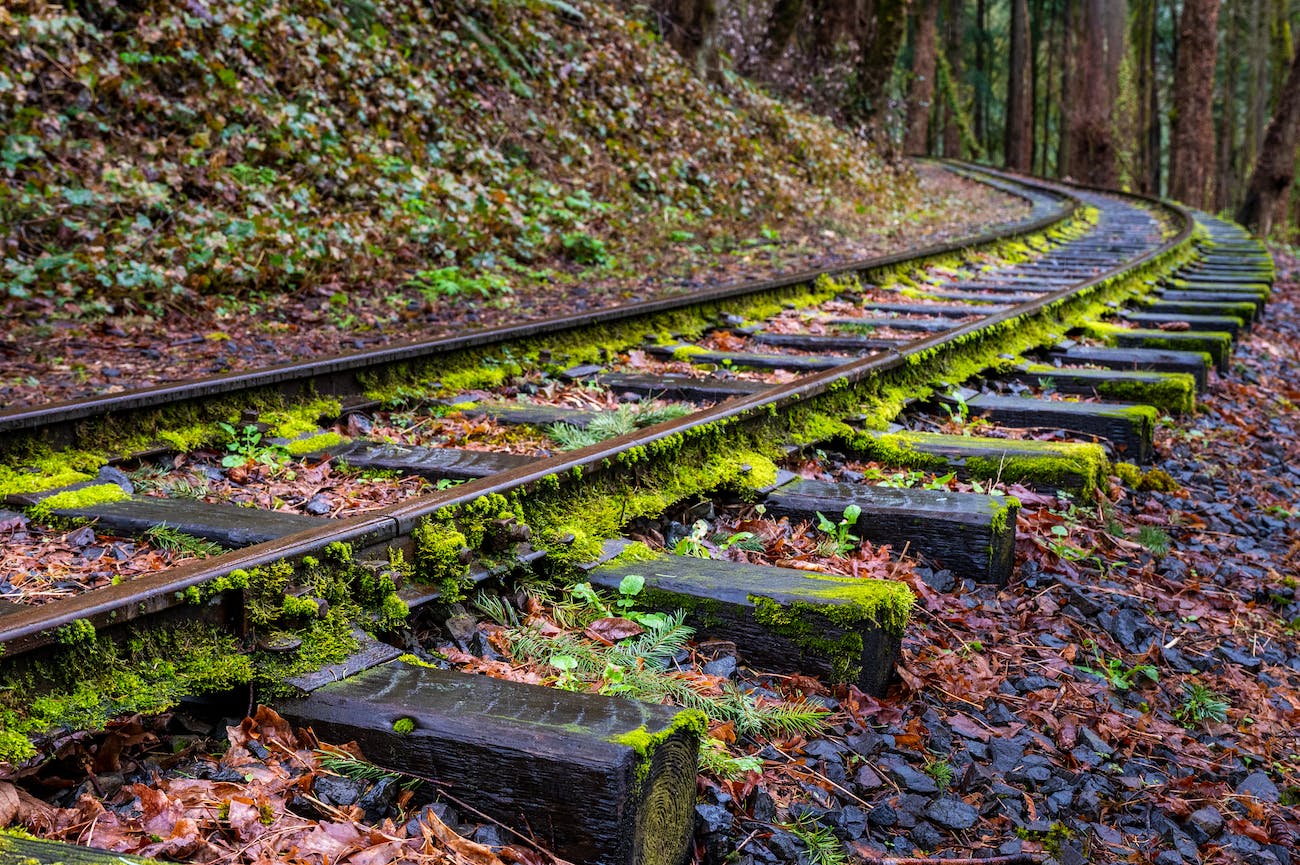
(840, 534)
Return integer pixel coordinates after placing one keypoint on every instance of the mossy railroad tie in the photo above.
(972, 535)
(1193, 363)
(1076, 467)
(745, 359)
(1128, 428)
(595, 779)
(1244, 310)
(529, 415)
(1170, 392)
(1217, 344)
(679, 387)
(945, 310)
(851, 343)
(228, 525)
(1196, 322)
(781, 619)
(16, 850)
(432, 463)
(921, 325)
(1179, 295)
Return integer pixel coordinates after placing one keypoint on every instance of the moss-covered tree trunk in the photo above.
(920, 93)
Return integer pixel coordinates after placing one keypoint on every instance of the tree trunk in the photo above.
(1146, 176)
(781, 24)
(1271, 181)
(953, 38)
(1037, 117)
(981, 75)
(1226, 181)
(920, 94)
(1092, 150)
(1193, 136)
(690, 26)
(1017, 139)
(1069, 65)
(876, 56)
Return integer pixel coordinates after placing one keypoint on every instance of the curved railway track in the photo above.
(1144, 288)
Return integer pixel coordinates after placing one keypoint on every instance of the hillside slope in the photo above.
(158, 154)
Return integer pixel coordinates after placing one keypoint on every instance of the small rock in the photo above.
(1208, 821)
(487, 835)
(82, 537)
(111, 475)
(926, 836)
(882, 816)
(916, 782)
(951, 813)
(867, 779)
(334, 790)
(318, 505)
(852, 822)
(786, 845)
(1257, 784)
(712, 819)
(378, 799)
(724, 666)
(940, 581)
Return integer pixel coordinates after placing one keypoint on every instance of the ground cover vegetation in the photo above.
(256, 175)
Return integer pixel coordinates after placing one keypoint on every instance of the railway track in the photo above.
(533, 447)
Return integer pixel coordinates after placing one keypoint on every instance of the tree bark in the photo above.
(981, 75)
(1191, 180)
(1017, 138)
(1147, 174)
(920, 94)
(1092, 149)
(690, 27)
(876, 56)
(781, 24)
(1274, 173)
(1227, 176)
(953, 38)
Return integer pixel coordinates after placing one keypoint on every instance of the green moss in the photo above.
(1130, 474)
(72, 500)
(83, 685)
(634, 553)
(80, 631)
(39, 469)
(1005, 509)
(311, 444)
(1173, 393)
(438, 549)
(1157, 480)
(202, 593)
(404, 726)
(1217, 344)
(1143, 417)
(297, 420)
(1074, 466)
(849, 606)
(691, 723)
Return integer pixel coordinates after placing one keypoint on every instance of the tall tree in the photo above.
(1091, 147)
(954, 33)
(920, 93)
(1275, 170)
(781, 24)
(1017, 140)
(1227, 175)
(1146, 38)
(1192, 175)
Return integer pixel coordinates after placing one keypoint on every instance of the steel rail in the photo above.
(31, 628)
